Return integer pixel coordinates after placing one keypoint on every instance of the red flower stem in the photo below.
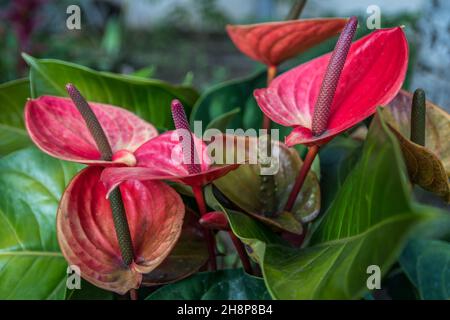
(271, 73)
(134, 294)
(310, 156)
(241, 252)
(198, 194)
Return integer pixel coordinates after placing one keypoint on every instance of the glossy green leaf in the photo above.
(149, 99)
(219, 285)
(252, 232)
(367, 224)
(225, 97)
(337, 159)
(188, 256)
(31, 265)
(427, 264)
(13, 135)
(223, 121)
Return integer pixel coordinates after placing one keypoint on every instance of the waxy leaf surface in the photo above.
(367, 224)
(31, 264)
(220, 285)
(426, 264)
(13, 96)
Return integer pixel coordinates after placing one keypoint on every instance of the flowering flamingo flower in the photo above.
(87, 233)
(372, 75)
(177, 156)
(164, 158)
(275, 42)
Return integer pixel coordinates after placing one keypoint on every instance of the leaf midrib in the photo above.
(29, 253)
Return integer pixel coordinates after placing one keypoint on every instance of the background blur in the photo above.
(184, 41)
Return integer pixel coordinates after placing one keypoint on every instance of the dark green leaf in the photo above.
(222, 122)
(227, 96)
(219, 285)
(13, 96)
(31, 265)
(367, 224)
(427, 264)
(337, 159)
(149, 99)
(252, 232)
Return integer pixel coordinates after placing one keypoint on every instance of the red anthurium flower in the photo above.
(373, 74)
(87, 236)
(86, 225)
(161, 158)
(164, 158)
(177, 156)
(57, 128)
(275, 42)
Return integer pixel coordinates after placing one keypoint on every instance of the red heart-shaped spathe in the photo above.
(57, 128)
(88, 239)
(373, 74)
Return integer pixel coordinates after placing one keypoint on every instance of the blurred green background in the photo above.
(181, 41)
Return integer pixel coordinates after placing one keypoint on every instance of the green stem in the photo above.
(418, 117)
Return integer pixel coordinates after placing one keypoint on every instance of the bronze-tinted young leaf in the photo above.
(243, 188)
(437, 140)
(187, 257)
(424, 167)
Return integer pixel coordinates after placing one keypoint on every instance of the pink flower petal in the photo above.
(87, 236)
(112, 177)
(373, 74)
(57, 128)
(164, 155)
